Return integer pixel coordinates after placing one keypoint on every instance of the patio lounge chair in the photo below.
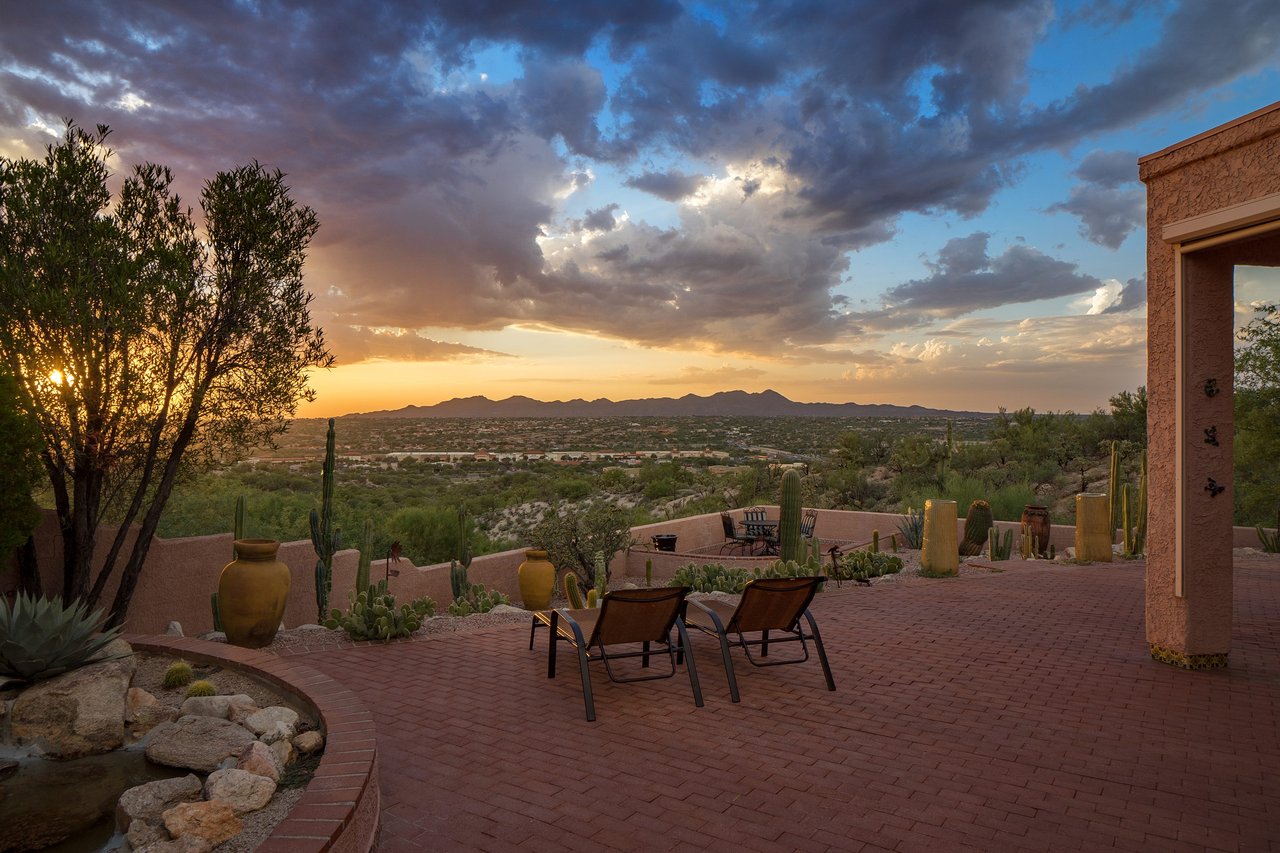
(732, 538)
(767, 604)
(625, 618)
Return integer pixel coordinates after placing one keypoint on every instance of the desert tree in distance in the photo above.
(142, 347)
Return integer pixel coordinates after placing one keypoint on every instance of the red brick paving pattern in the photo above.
(1010, 711)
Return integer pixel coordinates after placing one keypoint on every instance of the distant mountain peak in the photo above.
(738, 403)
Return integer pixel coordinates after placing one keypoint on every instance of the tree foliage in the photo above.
(19, 469)
(1257, 418)
(144, 348)
(573, 537)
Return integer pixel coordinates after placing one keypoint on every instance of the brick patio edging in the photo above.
(339, 810)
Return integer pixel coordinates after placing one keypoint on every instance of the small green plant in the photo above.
(477, 600)
(373, 615)
(862, 566)
(41, 638)
(203, 687)
(912, 528)
(1270, 542)
(711, 577)
(179, 674)
(875, 542)
(572, 592)
(1000, 549)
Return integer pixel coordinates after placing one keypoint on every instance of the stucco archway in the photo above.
(1213, 201)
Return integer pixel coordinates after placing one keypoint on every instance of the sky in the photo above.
(919, 202)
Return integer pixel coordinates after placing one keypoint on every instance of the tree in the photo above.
(19, 475)
(573, 537)
(1129, 416)
(1257, 418)
(141, 349)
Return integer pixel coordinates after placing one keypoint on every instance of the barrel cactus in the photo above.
(977, 522)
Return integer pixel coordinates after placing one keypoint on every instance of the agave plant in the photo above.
(41, 637)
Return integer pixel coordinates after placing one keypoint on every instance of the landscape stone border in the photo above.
(339, 810)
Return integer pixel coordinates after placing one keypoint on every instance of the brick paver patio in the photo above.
(1008, 711)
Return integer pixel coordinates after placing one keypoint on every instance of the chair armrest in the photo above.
(715, 617)
(572, 624)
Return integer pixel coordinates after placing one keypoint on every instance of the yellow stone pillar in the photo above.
(1093, 528)
(940, 552)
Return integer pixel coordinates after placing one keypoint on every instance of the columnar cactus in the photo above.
(366, 556)
(324, 539)
(977, 522)
(789, 517)
(1113, 491)
(602, 575)
(1135, 523)
(875, 541)
(572, 592)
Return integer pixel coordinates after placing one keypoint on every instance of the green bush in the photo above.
(714, 577)
(41, 638)
(373, 615)
(862, 566)
(477, 600)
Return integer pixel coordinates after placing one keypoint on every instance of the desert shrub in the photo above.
(41, 637)
(373, 615)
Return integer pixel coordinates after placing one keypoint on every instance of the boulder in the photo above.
(284, 752)
(197, 743)
(258, 758)
(173, 629)
(309, 742)
(212, 820)
(78, 713)
(135, 699)
(148, 803)
(213, 706)
(238, 712)
(143, 835)
(240, 789)
(269, 721)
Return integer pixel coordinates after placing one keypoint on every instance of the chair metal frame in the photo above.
(734, 539)
(788, 622)
(566, 628)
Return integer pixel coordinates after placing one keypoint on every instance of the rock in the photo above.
(238, 712)
(143, 835)
(214, 636)
(268, 720)
(309, 742)
(78, 713)
(198, 743)
(173, 629)
(284, 752)
(240, 789)
(212, 820)
(507, 608)
(136, 699)
(279, 732)
(311, 626)
(213, 706)
(258, 758)
(148, 803)
(148, 718)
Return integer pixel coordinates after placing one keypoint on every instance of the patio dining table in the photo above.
(765, 534)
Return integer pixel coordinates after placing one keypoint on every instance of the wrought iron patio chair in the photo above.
(767, 605)
(625, 618)
(808, 522)
(732, 538)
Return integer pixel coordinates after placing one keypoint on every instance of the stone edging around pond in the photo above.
(339, 810)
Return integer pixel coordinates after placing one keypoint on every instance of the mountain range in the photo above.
(767, 404)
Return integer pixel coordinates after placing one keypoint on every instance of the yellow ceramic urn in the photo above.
(252, 592)
(537, 577)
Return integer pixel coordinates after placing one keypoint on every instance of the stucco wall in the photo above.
(1218, 169)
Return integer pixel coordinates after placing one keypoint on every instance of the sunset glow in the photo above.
(911, 203)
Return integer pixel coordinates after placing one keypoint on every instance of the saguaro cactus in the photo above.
(366, 556)
(789, 518)
(1113, 492)
(324, 539)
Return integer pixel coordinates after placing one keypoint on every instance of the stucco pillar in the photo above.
(1190, 370)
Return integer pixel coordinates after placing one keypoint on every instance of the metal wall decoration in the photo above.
(1211, 436)
(1213, 488)
(1211, 388)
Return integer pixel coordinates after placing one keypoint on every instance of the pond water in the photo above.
(68, 806)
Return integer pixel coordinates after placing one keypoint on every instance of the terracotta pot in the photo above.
(1093, 528)
(940, 552)
(537, 577)
(1036, 518)
(252, 593)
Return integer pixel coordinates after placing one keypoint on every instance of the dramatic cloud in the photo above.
(967, 279)
(1108, 203)
(353, 344)
(1132, 295)
(672, 186)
